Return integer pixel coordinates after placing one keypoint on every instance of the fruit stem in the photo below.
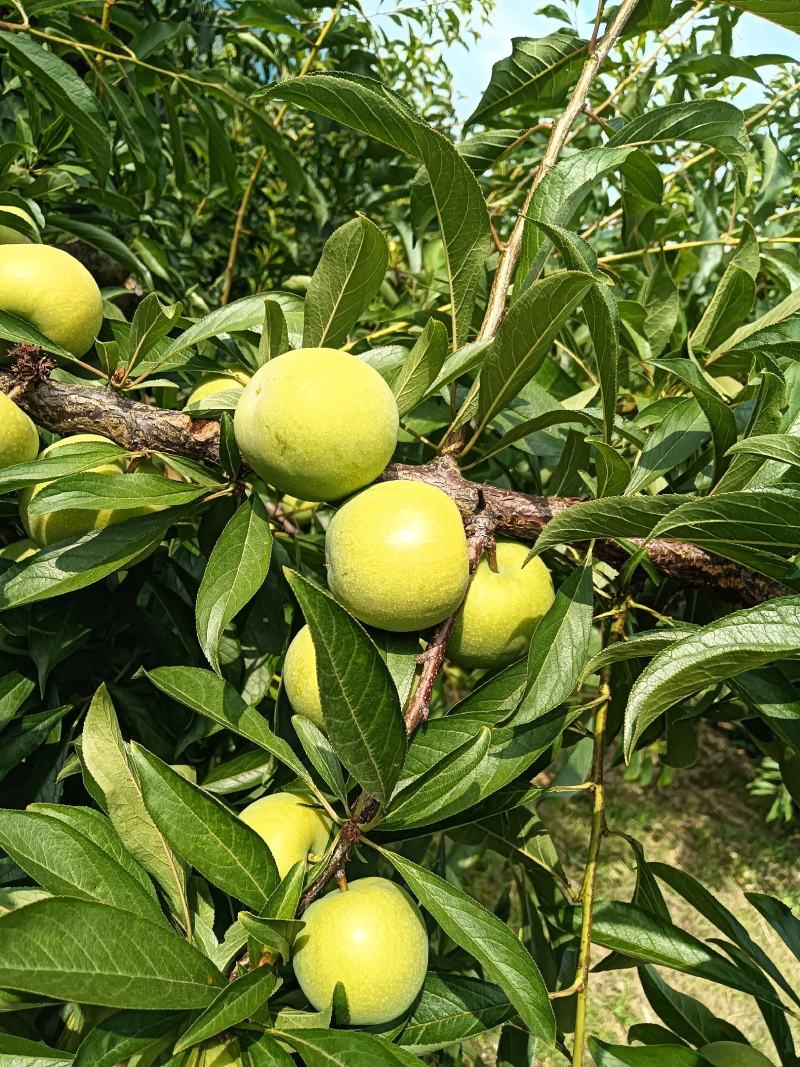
(341, 880)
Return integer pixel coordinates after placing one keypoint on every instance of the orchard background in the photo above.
(586, 300)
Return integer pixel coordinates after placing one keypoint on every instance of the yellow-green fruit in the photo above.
(299, 511)
(212, 384)
(8, 235)
(397, 556)
(372, 941)
(317, 423)
(19, 438)
(501, 609)
(49, 288)
(290, 826)
(19, 550)
(300, 678)
(72, 522)
(734, 1054)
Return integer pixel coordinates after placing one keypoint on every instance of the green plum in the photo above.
(300, 678)
(317, 423)
(371, 942)
(291, 827)
(19, 438)
(397, 556)
(501, 609)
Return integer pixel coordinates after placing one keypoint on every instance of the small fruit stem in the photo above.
(341, 880)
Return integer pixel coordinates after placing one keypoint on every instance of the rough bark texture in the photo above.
(96, 409)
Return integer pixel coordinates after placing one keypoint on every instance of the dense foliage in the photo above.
(246, 178)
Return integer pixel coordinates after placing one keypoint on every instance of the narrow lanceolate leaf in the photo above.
(213, 697)
(125, 1034)
(765, 518)
(487, 938)
(321, 755)
(782, 12)
(421, 367)
(347, 278)
(452, 1008)
(80, 950)
(81, 561)
(613, 516)
(68, 459)
(94, 492)
(369, 106)
(199, 828)
(733, 298)
(345, 1048)
(23, 1052)
(70, 95)
(244, 314)
(737, 643)
(680, 433)
(538, 74)
(236, 570)
(66, 863)
(152, 321)
(15, 689)
(782, 447)
(359, 701)
(103, 753)
(608, 1055)
(525, 337)
(237, 1002)
(688, 1018)
(558, 648)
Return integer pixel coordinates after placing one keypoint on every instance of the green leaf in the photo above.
(66, 863)
(452, 1008)
(558, 648)
(26, 734)
(538, 74)
(359, 701)
(125, 1034)
(244, 314)
(685, 1016)
(525, 337)
(369, 106)
(731, 645)
(68, 459)
(782, 447)
(19, 331)
(104, 756)
(767, 517)
(659, 297)
(211, 696)
(642, 646)
(22, 1052)
(60, 948)
(744, 471)
(95, 492)
(321, 755)
(81, 561)
(348, 276)
(69, 95)
(151, 323)
(236, 570)
(266, 1052)
(608, 1055)
(15, 689)
(205, 833)
(782, 12)
(780, 917)
(274, 334)
(345, 1048)
(421, 367)
(486, 937)
(613, 516)
(734, 296)
(238, 1001)
(681, 432)
(275, 935)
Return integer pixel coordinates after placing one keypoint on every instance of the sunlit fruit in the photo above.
(56, 526)
(317, 423)
(19, 550)
(734, 1054)
(300, 677)
(397, 556)
(501, 609)
(371, 942)
(291, 827)
(50, 289)
(8, 234)
(19, 438)
(212, 384)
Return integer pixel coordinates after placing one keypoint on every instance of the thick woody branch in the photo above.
(66, 408)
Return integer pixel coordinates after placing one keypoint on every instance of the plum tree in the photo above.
(397, 556)
(19, 438)
(290, 825)
(501, 609)
(49, 288)
(300, 677)
(371, 942)
(317, 423)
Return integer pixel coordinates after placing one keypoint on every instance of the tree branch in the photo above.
(65, 408)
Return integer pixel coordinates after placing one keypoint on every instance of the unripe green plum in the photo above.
(317, 423)
(734, 1054)
(291, 827)
(501, 609)
(211, 384)
(19, 438)
(56, 526)
(300, 677)
(372, 940)
(299, 511)
(19, 550)
(8, 235)
(397, 556)
(50, 289)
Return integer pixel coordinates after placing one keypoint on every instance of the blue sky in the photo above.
(472, 64)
